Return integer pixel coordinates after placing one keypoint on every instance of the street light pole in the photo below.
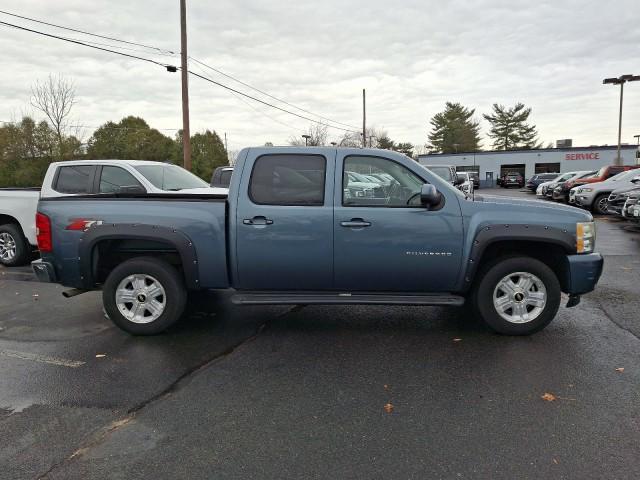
(621, 80)
(306, 139)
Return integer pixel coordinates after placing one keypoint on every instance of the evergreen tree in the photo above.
(509, 128)
(454, 130)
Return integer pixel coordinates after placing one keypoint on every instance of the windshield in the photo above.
(170, 177)
(624, 175)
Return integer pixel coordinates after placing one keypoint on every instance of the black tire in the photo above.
(599, 205)
(169, 279)
(13, 233)
(493, 273)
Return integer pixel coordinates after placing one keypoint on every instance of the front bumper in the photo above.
(44, 271)
(583, 200)
(584, 272)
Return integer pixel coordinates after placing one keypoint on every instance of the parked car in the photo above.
(512, 179)
(17, 225)
(542, 189)
(221, 177)
(82, 177)
(603, 174)
(550, 187)
(446, 172)
(475, 176)
(619, 197)
(631, 210)
(467, 183)
(593, 196)
(537, 179)
(287, 234)
(561, 191)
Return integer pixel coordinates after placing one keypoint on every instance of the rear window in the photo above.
(225, 177)
(288, 180)
(74, 179)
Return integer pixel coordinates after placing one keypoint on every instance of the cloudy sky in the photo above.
(410, 55)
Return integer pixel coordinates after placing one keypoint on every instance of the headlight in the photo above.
(585, 190)
(585, 237)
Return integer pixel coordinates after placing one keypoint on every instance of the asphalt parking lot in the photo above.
(322, 392)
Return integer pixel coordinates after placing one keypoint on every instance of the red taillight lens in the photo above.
(43, 233)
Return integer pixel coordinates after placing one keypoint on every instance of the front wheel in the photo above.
(600, 204)
(144, 296)
(517, 295)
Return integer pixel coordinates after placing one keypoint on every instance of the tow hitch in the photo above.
(573, 301)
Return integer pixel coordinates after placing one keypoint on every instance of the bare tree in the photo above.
(55, 97)
(317, 136)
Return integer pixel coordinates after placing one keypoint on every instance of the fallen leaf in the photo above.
(457, 339)
(100, 355)
(388, 408)
(620, 369)
(549, 397)
(555, 461)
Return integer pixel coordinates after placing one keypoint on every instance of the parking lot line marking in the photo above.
(42, 358)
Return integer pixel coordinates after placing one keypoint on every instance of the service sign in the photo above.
(582, 156)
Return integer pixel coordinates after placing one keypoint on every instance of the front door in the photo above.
(385, 240)
(285, 227)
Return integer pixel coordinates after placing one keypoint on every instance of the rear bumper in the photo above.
(584, 272)
(44, 271)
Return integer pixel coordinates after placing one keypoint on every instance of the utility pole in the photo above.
(226, 147)
(186, 133)
(364, 119)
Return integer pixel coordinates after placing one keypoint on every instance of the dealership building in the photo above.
(491, 165)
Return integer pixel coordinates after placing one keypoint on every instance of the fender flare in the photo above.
(135, 231)
(490, 234)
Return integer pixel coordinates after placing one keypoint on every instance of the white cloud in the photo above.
(411, 56)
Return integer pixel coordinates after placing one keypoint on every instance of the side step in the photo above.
(332, 298)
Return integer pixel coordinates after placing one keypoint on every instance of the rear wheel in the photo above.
(517, 295)
(14, 248)
(144, 296)
(600, 204)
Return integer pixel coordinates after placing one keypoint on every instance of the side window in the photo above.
(114, 178)
(74, 179)
(288, 179)
(225, 177)
(396, 185)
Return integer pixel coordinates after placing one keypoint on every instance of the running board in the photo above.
(332, 298)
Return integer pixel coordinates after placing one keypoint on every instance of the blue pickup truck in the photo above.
(291, 230)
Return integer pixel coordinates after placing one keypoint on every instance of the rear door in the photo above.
(284, 221)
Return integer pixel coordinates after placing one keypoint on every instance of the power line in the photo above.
(87, 33)
(84, 44)
(167, 66)
(164, 52)
(257, 110)
(267, 103)
(268, 94)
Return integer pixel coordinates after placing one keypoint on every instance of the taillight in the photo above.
(43, 233)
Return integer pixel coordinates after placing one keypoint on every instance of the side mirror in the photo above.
(429, 196)
(459, 179)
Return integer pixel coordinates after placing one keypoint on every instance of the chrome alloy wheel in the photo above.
(7, 246)
(140, 298)
(520, 297)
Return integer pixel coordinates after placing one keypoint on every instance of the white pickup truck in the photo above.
(85, 177)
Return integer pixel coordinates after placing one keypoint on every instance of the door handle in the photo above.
(259, 220)
(356, 223)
